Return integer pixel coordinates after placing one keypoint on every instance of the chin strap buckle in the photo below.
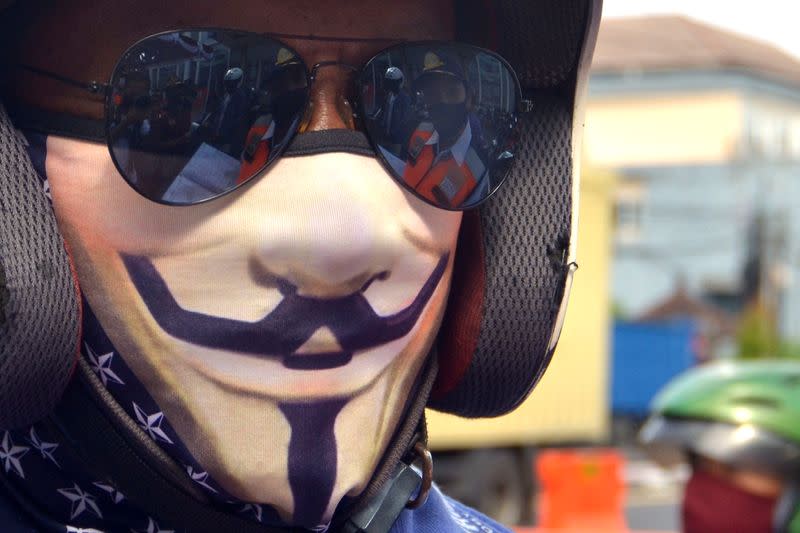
(427, 476)
(408, 488)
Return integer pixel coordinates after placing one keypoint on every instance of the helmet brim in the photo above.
(667, 440)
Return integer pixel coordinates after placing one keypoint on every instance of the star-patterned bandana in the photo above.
(39, 466)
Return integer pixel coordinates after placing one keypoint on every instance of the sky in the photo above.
(774, 21)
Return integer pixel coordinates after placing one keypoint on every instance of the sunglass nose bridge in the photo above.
(316, 68)
(331, 103)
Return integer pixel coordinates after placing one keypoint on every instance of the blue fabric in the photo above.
(442, 514)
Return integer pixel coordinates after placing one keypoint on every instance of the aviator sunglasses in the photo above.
(191, 115)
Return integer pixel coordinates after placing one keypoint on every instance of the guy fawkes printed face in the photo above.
(299, 298)
(280, 328)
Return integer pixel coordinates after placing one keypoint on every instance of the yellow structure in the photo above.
(570, 404)
(671, 91)
(651, 129)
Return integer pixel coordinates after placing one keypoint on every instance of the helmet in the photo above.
(234, 74)
(441, 63)
(514, 262)
(745, 414)
(394, 78)
(233, 78)
(394, 74)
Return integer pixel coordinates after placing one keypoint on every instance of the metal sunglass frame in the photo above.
(105, 90)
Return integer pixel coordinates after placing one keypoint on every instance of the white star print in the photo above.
(151, 424)
(153, 527)
(254, 508)
(45, 448)
(81, 501)
(115, 495)
(200, 478)
(11, 454)
(102, 366)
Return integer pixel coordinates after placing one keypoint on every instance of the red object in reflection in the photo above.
(436, 176)
(257, 148)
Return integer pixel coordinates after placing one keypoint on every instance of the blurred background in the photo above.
(689, 251)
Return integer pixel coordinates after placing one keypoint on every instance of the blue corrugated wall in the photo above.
(645, 357)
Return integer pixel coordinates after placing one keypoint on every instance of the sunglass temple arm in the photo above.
(94, 87)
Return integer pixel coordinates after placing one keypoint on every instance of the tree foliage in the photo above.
(758, 338)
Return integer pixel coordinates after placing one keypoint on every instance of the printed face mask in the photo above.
(277, 331)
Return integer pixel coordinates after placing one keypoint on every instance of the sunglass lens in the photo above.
(195, 114)
(443, 119)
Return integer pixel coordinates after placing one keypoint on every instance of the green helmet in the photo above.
(742, 413)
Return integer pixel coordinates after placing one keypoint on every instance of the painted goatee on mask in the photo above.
(268, 340)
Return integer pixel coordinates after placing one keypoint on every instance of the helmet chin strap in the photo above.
(395, 495)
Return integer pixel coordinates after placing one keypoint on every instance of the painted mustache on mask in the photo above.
(352, 320)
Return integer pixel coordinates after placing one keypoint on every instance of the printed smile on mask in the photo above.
(281, 333)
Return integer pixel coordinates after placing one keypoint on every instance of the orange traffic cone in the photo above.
(582, 490)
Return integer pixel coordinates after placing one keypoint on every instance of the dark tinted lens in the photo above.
(194, 114)
(443, 117)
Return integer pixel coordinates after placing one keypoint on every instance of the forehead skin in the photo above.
(83, 39)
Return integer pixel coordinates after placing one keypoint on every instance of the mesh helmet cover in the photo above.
(512, 264)
(39, 310)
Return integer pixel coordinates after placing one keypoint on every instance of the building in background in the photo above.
(703, 127)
